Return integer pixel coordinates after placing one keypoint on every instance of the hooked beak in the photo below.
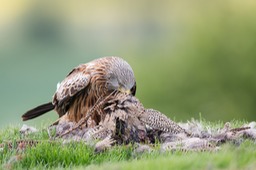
(125, 91)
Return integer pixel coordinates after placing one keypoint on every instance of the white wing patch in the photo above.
(58, 85)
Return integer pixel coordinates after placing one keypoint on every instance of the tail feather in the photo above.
(38, 111)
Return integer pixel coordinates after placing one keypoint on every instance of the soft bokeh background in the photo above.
(189, 57)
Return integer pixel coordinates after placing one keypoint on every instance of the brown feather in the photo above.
(38, 111)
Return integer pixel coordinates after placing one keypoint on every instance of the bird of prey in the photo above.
(84, 85)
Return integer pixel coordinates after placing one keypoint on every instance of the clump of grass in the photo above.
(54, 154)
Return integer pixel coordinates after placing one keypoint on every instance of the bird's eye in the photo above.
(133, 90)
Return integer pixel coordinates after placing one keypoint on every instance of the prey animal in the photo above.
(126, 121)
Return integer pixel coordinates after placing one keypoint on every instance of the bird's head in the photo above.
(121, 77)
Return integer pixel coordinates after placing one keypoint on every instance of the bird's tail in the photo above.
(38, 111)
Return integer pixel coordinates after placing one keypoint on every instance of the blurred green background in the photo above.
(189, 57)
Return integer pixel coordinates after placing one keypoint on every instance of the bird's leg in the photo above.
(84, 119)
(96, 106)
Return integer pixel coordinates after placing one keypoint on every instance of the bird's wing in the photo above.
(159, 121)
(77, 80)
